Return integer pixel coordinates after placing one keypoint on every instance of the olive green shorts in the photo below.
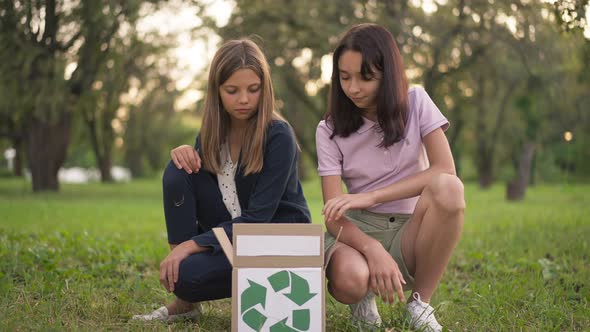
(385, 228)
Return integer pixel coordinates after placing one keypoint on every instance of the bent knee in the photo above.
(348, 284)
(200, 274)
(187, 278)
(173, 176)
(448, 192)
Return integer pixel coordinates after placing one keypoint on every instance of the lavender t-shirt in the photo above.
(365, 167)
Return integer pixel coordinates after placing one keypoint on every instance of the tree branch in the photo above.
(66, 46)
(51, 19)
(500, 115)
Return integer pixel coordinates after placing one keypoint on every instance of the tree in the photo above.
(13, 96)
(100, 105)
(49, 35)
(153, 126)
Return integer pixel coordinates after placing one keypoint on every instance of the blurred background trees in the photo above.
(80, 84)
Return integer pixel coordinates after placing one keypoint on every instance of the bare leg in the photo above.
(179, 306)
(433, 233)
(348, 275)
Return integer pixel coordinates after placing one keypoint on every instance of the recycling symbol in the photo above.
(256, 293)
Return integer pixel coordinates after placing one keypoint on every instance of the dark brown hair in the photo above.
(379, 52)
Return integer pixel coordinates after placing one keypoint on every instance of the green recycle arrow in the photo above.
(256, 294)
(279, 280)
(299, 290)
(254, 318)
(253, 295)
(282, 327)
(301, 322)
(301, 319)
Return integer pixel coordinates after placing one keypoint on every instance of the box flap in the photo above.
(278, 245)
(224, 243)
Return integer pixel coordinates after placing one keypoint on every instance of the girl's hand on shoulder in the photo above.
(385, 278)
(187, 158)
(170, 265)
(335, 208)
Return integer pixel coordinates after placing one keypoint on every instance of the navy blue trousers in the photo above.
(204, 276)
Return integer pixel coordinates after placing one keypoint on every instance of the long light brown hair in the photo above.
(232, 56)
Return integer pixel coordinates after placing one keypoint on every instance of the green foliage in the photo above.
(40, 39)
(475, 59)
(153, 129)
(87, 259)
(504, 74)
(571, 14)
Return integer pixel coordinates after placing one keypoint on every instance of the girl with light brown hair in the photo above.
(249, 175)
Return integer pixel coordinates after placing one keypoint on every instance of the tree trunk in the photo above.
(484, 165)
(17, 165)
(533, 179)
(104, 165)
(133, 161)
(485, 175)
(47, 144)
(102, 153)
(516, 188)
(458, 124)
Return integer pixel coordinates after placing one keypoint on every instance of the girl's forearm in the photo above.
(410, 186)
(350, 235)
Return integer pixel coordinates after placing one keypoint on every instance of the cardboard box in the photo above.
(278, 280)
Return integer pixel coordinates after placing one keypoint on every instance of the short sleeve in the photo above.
(430, 116)
(329, 155)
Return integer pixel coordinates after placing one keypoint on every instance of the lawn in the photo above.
(87, 259)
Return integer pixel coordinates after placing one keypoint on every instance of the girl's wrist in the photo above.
(368, 246)
(375, 196)
(191, 247)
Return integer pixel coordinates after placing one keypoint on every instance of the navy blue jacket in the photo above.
(274, 195)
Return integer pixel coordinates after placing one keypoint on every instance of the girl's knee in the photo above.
(447, 192)
(349, 284)
(203, 276)
(189, 281)
(173, 177)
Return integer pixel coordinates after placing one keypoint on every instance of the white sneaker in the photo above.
(422, 315)
(366, 311)
(162, 315)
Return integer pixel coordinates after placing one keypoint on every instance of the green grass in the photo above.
(87, 259)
